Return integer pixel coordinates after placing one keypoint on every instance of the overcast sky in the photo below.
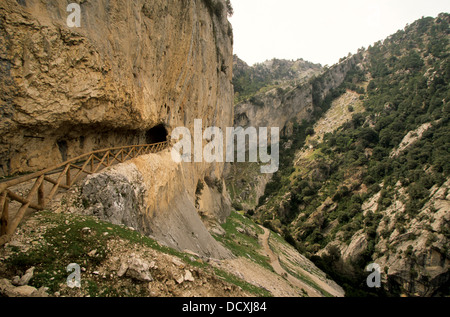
(320, 31)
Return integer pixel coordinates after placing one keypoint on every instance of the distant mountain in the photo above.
(249, 80)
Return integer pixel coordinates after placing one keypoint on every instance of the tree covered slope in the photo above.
(376, 188)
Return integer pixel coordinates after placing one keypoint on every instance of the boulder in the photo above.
(136, 268)
(25, 279)
(7, 289)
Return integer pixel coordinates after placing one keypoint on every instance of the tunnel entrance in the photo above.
(156, 134)
(63, 147)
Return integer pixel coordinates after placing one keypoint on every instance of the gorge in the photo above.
(357, 174)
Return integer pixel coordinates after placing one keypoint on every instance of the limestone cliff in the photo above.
(131, 66)
(279, 107)
(133, 72)
(156, 196)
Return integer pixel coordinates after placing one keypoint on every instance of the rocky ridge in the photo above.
(280, 108)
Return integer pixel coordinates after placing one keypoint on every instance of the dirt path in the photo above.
(282, 272)
(277, 282)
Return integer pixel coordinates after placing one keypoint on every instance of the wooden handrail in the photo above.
(26, 178)
(65, 180)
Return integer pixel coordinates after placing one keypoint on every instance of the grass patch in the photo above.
(243, 244)
(70, 238)
(306, 280)
(65, 241)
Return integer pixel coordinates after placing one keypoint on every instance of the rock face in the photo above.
(156, 196)
(127, 69)
(117, 196)
(278, 108)
(416, 256)
(132, 73)
(413, 256)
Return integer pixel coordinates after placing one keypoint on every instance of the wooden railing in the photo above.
(46, 184)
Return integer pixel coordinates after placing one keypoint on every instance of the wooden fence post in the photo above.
(4, 205)
(68, 177)
(7, 227)
(41, 196)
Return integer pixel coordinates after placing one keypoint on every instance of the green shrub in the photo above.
(215, 7)
(237, 206)
(199, 189)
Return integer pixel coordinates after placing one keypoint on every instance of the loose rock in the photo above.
(136, 268)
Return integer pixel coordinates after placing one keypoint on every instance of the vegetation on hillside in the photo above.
(408, 85)
(217, 7)
(50, 241)
(248, 81)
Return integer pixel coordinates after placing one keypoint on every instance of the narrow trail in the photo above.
(35, 190)
(275, 263)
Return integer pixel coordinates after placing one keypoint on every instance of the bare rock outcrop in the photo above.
(156, 196)
(278, 109)
(413, 253)
(18, 286)
(136, 268)
(129, 68)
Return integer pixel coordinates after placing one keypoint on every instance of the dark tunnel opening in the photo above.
(156, 134)
(63, 148)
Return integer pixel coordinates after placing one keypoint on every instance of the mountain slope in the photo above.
(284, 106)
(251, 80)
(118, 261)
(375, 188)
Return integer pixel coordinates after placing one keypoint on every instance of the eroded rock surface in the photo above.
(128, 68)
(156, 196)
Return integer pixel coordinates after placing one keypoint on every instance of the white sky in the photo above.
(320, 31)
